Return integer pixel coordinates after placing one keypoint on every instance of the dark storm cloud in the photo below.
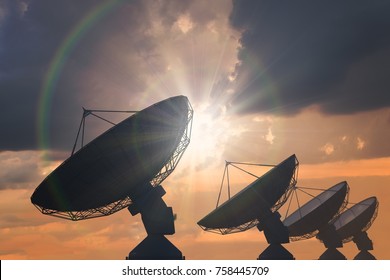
(111, 60)
(95, 68)
(295, 54)
(30, 32)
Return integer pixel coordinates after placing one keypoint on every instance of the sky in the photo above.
(266, 79)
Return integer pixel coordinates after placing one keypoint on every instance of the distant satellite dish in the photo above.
(311, 217)
(352, 224)
(123, 167)
(257, 205)
(356, 219)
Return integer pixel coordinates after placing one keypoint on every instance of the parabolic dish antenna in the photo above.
(315, 214)
(103, 176)
(353, 224)
(123, 167)
(356, 219)
(257, 204)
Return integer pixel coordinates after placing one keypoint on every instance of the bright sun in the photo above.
(210, 132)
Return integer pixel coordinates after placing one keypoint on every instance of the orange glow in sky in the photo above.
(259, 94)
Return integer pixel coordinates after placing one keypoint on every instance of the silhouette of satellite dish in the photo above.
(351, 224)
(314, 215)
(124, 167)
(257, 205)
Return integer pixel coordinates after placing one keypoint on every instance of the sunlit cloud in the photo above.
(360, 143)
(328, 149)
(269, 137)
(357, 168)
(184, 23)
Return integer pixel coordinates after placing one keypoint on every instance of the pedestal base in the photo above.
(155, 247)
(332, 254)
(276, 252)
(364, 255)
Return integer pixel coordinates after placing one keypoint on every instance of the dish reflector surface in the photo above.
(244, 209)
(107, 173)
(356, 219)
(317, 212)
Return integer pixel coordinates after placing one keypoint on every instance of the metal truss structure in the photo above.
(239, 228)
(90, 213)
(172, 162)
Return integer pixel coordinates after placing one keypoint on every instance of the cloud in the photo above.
(269, 137)
(57, 56)
(184, 23)
(295, 54)
(328, 149)
(360, 143)
(60, 55)
(18, 171)
(28, 41)
(23, 169)
(313, 137)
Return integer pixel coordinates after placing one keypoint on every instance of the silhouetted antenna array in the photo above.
(125, 166)
(325, 215)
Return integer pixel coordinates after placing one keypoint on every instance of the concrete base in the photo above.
(276, 252)
(155, 247)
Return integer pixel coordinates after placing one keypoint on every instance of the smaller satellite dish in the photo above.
(356, 219)
(254, 202)
(308, 219)
(257, 205)
(353, 224)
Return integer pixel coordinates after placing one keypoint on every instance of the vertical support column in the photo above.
(158, 220)
(364, 244)
(332, 241)
(276, 234)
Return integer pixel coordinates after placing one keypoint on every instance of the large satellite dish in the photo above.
(257, 205)
(123, 167)
(314, 215)
(352, 224)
